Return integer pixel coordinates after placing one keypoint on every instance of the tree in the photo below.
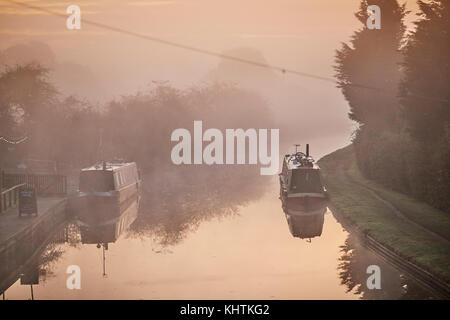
(426, 101)
(368, 70)
(425, 88)
(369, 73)
(25, 93)
(63, 130)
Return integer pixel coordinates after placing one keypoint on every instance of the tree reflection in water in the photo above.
(177, 200)
(352, 271)
(173, 204)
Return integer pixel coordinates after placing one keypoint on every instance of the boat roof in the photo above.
(110, 166)
(299, 160)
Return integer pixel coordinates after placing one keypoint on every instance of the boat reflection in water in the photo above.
(106, 203)
(102, 230)
(308, 224)
(302, 194)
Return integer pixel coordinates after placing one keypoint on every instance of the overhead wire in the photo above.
(221, 55)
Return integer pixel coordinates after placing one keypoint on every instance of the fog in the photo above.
(100, 65)
(96, 94)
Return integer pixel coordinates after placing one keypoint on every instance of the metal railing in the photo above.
(9, 198)
(45, 184)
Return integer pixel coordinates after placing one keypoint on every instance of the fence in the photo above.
(45, 184)
(9, 198)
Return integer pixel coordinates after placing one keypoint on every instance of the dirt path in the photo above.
(342, 176)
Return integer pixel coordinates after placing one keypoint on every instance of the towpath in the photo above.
(342, 176)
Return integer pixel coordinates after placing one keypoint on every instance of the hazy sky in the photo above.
(299, 34)
(295, 34)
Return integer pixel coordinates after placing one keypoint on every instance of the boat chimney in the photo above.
(307, 149)
(104, 165)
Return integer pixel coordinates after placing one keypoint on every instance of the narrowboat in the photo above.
(106, 190)
(301, 189)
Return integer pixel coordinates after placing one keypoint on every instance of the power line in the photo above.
(186, 47)
(179, 45)
(217, 54)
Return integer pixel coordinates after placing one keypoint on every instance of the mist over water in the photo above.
(200, 236)
(202, 232)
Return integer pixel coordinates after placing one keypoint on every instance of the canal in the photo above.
(209, 233)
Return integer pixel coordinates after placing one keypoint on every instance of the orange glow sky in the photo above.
(299, 34)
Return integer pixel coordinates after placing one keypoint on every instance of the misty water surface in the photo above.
(202, 236)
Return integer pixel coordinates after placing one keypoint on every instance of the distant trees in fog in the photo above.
(135, 127)
(58, 128)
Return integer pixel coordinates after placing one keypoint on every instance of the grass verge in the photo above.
(345, 185)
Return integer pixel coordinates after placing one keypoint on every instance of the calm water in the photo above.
(200, 235)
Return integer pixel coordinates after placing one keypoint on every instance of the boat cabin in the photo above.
(300, 174)
(108, 177)
(301, 188)
(106, 190)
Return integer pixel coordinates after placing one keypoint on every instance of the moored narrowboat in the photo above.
(301, 188)
(106, 190)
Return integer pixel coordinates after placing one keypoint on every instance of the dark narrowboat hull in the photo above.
(303, 203)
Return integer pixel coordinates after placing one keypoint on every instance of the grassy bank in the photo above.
(348, 194)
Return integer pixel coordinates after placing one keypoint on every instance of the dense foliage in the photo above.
(136, 127)
(397, 86)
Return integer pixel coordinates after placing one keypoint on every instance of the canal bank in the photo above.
(21, 237)
(409, 234)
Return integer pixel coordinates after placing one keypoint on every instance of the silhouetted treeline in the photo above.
(58, 129)
(136, 127)
(397, 86)
(139, 126)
